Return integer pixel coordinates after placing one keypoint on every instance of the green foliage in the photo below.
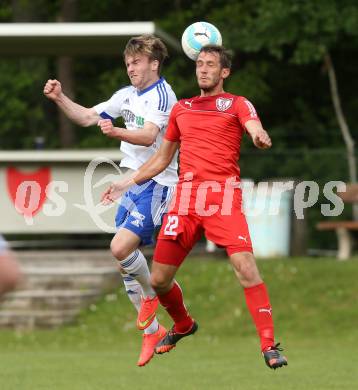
(23, 114)
(278, 46)
(304, 29)
(5, 11)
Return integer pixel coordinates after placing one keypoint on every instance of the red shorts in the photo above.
(217, 214)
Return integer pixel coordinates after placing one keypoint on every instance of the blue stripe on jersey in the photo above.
(160, 98)
(158, 82)
(104, 115)
(163, 96)
(166, 98)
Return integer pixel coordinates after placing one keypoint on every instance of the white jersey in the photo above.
(153, 104)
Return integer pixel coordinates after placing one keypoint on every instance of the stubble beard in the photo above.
(207, 89)
(210, 88)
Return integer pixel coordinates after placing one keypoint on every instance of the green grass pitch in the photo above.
(316, 317)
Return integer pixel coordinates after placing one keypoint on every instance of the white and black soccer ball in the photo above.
(197, 35)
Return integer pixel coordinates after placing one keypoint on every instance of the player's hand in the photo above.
(262, 140)
(107, 128)
(52, 89)
(113, 192)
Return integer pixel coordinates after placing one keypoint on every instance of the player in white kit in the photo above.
(145, 106)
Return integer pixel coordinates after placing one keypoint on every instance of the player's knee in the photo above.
(118, 250)
(248, 266)
(245, 265)
(159, 282)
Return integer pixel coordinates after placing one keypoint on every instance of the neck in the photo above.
(148, 83)
(211, 92)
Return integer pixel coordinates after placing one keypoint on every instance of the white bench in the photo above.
(343, 228)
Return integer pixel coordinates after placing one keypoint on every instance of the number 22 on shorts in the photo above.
(172, 224)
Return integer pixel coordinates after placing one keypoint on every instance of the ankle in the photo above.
(184, 326)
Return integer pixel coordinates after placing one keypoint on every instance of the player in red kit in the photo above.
(208, 130)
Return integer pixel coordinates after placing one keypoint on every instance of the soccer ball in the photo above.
(197, 35)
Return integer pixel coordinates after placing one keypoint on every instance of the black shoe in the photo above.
(273, 358)
(170, 339)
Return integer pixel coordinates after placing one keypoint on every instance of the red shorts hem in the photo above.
(170, 252)
(231, 250)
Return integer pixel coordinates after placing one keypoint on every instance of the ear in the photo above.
(225, 72)
(155, 65)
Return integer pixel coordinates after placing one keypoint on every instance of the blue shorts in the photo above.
(142, 208)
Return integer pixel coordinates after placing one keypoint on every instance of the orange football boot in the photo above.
(146, 313)
(148, 345)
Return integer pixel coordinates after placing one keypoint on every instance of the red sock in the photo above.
(173, 303)
(258, 303)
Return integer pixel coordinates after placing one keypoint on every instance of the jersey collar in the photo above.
(139, 93)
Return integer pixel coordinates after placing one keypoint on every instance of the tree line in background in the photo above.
(295, 60)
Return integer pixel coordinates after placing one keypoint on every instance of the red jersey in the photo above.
(210, 130)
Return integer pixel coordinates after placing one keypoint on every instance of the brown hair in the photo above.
(148, 45)
(224, 54)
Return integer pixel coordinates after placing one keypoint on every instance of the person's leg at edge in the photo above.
(10, 274)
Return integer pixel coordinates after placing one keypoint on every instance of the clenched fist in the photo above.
(262, 140)
(52, 89)
(107, 128)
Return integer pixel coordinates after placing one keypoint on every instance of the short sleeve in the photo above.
(173, 133)
(246, 111)
(111, 109)
(161, 107)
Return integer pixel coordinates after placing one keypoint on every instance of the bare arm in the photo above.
(259, 136)
(145, 136)
(156, 164)
(78, 114)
